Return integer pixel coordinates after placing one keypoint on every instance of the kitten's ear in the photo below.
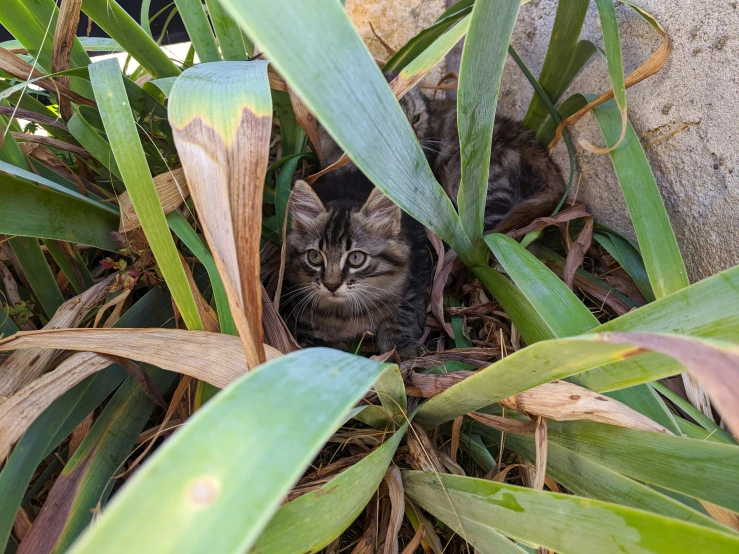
(382, 214)
(305, 205)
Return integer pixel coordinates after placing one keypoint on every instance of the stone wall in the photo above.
(696, 95)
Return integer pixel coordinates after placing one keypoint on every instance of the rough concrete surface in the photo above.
(697, 93)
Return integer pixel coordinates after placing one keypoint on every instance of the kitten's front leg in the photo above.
(403, 331)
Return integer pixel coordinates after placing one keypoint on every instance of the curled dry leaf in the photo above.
(505, 424)
(24, 366)
(307, 122)
(64, 35)
(52, 142)
(540, 440)
(563, 401)
(397, 503)
(422, 454)
(171, 189)
(577, 251)
(441, 275)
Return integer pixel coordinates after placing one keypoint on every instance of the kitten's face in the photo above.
(344, 257)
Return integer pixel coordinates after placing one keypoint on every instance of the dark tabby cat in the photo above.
(355, 263)
(523, 182)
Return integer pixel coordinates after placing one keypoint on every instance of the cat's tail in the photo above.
(523, 213)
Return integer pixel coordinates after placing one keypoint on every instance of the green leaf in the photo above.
(129, 155)
(187, 235)
(312, 50)
(30, 210)
(554, 77)
(87, 478)
(701, 469)
(483, 59)
(418, 44)
(564, 523)
(585, 477)
(656, 240)
(198, 29)
(235, 45)
(612, 40)
(527, 320)
(122, 28)
(36, 270)
(546, 292)
(69, 270)
(393, 411)
(312, 521)
(95, 144)
(216, 483)
(629, 259)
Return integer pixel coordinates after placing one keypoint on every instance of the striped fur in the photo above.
(329, 301)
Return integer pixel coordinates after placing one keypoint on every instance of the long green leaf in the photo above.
(701, 469)
(612, 40)
(312, 521)
(198, 29)
(483, 58)
(216, 483)
(528, 321)
(121, 27)
(91, 140)
(129, 155)
(235, 45)
(316, 49)
(562, 45)
(546, 292)
(87, 478)
(564, 523)
(66, 412)
(629, 259)
(584, 477)
(656, 239)
(30, 210)
(37, 271)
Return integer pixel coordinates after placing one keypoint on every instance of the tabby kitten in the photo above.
(355, 264)
(523, 182)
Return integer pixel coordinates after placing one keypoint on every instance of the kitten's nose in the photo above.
(332, 287)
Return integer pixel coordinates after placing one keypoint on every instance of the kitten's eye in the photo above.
(416, 118)
(357, 258)
(315, 257)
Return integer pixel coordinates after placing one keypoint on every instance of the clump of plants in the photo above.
(574, 393)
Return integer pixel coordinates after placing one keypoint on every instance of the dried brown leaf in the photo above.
(24, 366)
(307, 122)
(397, 502)
(64, 37)
(540, 440)
(505, 424)
(563, 401)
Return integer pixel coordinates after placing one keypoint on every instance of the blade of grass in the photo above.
(235, 45)
(121, 27)
(198, 29)
(28, 209)
(177, 501)
(121, 129)
(657, 242)
(571, 105)
(70, 271)
(549, 296)
(554, 78)
(38, 273)
(483, 58)
(629, 259)
(560, 522)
